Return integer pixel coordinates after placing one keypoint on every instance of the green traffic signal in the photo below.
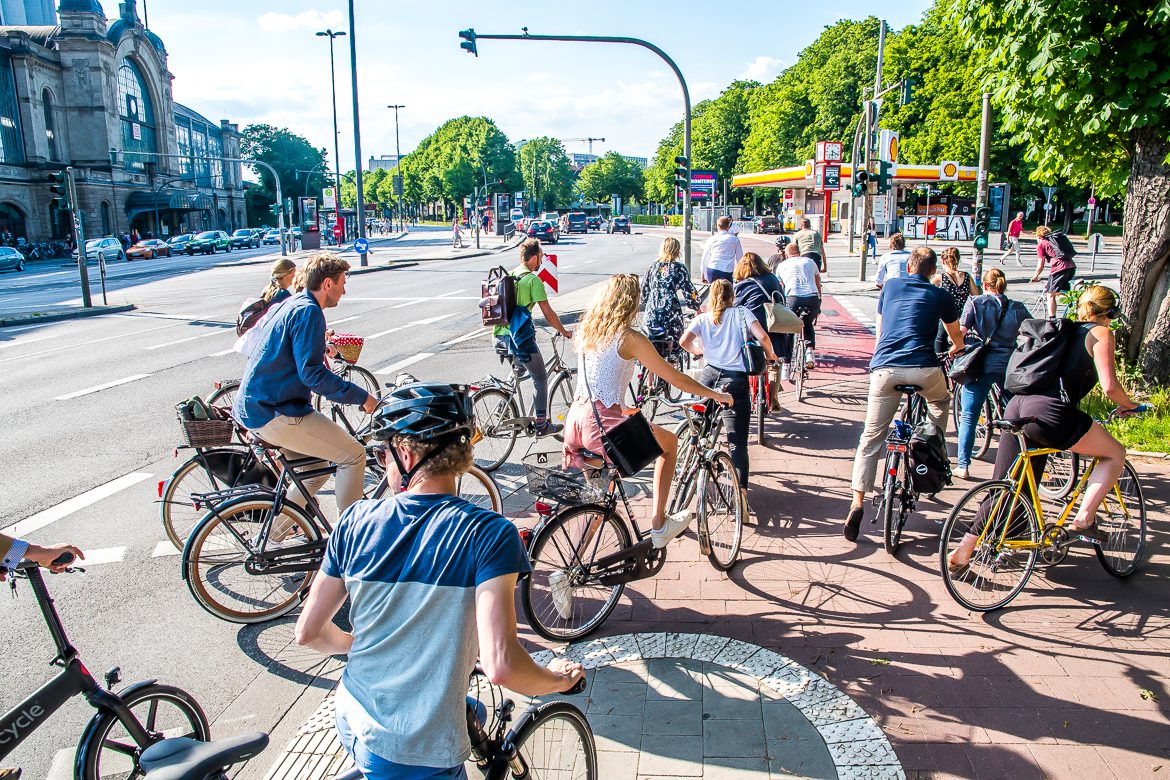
(982, 226)
(59, 191)
(885, 180)
(981, 242)
(860, 183)
(908, 85)
(468, 43)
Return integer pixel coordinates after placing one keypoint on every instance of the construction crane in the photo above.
(585, 140)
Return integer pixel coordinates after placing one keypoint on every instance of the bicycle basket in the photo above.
(348, 346)
(206, 433)
(566, 486)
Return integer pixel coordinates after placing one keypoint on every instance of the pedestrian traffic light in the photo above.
(682, 174)
(860, 183)
(982, 226)
(908, 85)
(59, 191)
(468, 44)
(885, 180)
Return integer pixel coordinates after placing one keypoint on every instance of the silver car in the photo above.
(10, 259)
(109, 249)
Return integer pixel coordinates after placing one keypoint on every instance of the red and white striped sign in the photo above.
(549, 273)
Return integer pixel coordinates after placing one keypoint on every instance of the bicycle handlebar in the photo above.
(1120, 414)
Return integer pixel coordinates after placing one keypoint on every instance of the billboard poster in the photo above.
(703, 185)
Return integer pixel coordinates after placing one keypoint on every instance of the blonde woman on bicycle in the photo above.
(607, 347)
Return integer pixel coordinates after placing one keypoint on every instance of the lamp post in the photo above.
(333, 86)
(357, 134)
(398, 165)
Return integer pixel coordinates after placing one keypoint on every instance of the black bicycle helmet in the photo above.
(425, 411)
(783, 241)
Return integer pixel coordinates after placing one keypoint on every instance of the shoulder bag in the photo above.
(630, 445)
(780, 318)
(968, 367)
(754, 359)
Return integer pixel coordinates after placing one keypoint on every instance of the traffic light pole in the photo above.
(79, 237)
(983, 181)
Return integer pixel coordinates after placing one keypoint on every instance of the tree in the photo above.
(461, 155)
(611, 175)
(1083, 84)
(546, 172)
(658, 179)
(289, 154)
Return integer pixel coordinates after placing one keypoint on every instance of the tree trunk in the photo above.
(1145, 270)
(1068, 215)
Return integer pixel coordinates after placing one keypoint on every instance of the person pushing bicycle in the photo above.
(431, 580)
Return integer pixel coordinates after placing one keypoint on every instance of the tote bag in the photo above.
(630, 445)
(780, 318)
(754, 359)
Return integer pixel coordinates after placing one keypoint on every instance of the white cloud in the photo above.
(306, 19)
(763, 70)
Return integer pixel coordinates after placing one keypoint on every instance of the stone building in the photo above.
(96, 95)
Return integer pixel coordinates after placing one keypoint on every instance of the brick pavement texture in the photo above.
(1069, 681)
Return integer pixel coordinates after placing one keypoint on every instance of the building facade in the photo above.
(386, 162)
(96, 95)
(29, 12)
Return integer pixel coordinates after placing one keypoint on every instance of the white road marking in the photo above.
(401, 364)
(857, 313)
(183, 317)
(65, 508)
(411, 298)
(164, 548)
(39, 353)
(21, 342)
(222, 352)
(98, 388)
(344, 319)
(104, 555)
(468, 336)
(184, 341)
(428, 321)
(447, 296)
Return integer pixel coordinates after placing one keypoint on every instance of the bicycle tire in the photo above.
(798, 368)
(103, 752)
(540, 740)
(1016, 522)
(984, 430)
(680, 361)
(360, 421)
(759, 394)
(557, 539)
(211, 552)
(492, 406)
(176, 512)
(727, 536)
(560, 400)
(891, 533)
(478, 487)
(1114, 519)
(224, 395)
(683, 486)
(1061, 471)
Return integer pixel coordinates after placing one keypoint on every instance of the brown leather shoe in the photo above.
(9, 774)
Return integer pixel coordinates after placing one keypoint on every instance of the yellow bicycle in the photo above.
(1007, 517)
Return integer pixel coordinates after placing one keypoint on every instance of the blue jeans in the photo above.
(712, 275)
(971, 399)
(374, 767)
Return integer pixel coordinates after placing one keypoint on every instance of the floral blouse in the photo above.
(660, 288)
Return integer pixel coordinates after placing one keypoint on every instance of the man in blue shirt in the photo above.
(288, 366)
(909, 310)
(431, 580)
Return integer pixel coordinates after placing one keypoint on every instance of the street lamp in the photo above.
(398, 191)
(336, 152)
(357, 134)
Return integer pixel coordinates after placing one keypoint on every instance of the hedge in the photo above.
(674, 220)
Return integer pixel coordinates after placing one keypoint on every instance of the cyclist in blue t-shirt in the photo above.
(431, 581)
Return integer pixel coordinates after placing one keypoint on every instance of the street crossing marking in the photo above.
(98, 388)
(104, 555)
(857, 313)
(447, 296)
(427, 321)
(185, 340)
(222, 352)
(22, 342)
(401, 364)
(65, 508)
(344, 319)
(467, 336)
(122, 336)
(165, 548)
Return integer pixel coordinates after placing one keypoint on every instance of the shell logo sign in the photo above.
(893, 150)
(808, 168)
(948, 171)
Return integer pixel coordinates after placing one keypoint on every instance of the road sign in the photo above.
(828, 178)
(329, 198)
(361, 246)
(398, 184)
(548, 273)
(1092, 201)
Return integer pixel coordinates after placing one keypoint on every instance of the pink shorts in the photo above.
(581, 430)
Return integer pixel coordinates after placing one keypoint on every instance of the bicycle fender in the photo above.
(87, 735)
(184, 566)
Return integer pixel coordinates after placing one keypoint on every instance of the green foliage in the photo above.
(288, 153)
(674, 220)
(449, 163)
(1149, 432)
(658, 179)
(611, 175)
(545, 170)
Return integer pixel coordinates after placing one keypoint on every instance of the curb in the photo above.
(74, 314)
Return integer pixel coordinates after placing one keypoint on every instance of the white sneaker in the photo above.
(810, 359)
(675, 524)
(785, 372)
(961, 472)
(562, 594)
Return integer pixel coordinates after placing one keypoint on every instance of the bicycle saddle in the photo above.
(1013, 426)
(907, 388)
(183, 758)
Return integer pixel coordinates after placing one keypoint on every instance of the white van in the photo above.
(516, 215)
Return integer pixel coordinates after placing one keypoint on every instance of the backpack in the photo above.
(1042, 352)
(1062, 245)
(251, 312)
(930, 468)
(499, 297)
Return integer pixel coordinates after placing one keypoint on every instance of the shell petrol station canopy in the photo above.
(801, 176)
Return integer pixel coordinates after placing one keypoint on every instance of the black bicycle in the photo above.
(898, 497)
(139, 730)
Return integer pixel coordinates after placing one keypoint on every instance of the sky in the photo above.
(258, 61)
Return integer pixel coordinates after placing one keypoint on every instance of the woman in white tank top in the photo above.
(607, 346)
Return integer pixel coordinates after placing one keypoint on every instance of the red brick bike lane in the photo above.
(1070, 680)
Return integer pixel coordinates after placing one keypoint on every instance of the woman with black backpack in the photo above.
(1055, 250)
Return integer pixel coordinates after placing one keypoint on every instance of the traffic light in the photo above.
(860, 183)
(885, 180)
(468, 43)
(908, 85)
(982, 226)
(59, 191)
(682, 174)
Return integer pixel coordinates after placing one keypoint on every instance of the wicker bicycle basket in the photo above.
(566, 486)
(207, 433)
(348, 346)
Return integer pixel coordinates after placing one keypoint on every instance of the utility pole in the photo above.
(336, 135)
(399, 184)
(357, 136)
(79, 236)
(983, 181)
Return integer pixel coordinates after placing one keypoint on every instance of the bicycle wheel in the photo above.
(109, 751)
(721, 511)
(495, 412)
(221, 550)
(983, 430)
(681, 361)
(561, 599)
(1060, 474)
(1005, 551)
(560, 399)
(210, 470)
(682, 487)
(1123, 520)
(799, 371)
(554, 741)
(892, 519)
(755, 390)
(225, 395)
(478, 487)
(359, 419)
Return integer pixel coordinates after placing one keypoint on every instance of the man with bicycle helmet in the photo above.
(430, 578)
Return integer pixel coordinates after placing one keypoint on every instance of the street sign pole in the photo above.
(984, 163)
(79, 238)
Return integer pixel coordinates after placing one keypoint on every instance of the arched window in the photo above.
(106, 228)
(11, 222)
(137, 112)
(50, 125)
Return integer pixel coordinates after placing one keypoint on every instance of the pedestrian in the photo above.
(755, 287)
(456, 236)
(1061, 269)
(960, 285)
(721, 252)
(908, 312)
(871, 237)
(995, 319)
(811, 244)
(893, 263)
(1015, 230)
(665, 220)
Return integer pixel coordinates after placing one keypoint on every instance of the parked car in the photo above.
(148, 249)
(108, 249)
(575, 222)
(272, 236)
(11, 259)
(209, 242)
(245, 238)
(551, 216)
(768, 224)
(516, 215)
(179, 243)
(544, 230)
(619, 225)
(592, 223)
